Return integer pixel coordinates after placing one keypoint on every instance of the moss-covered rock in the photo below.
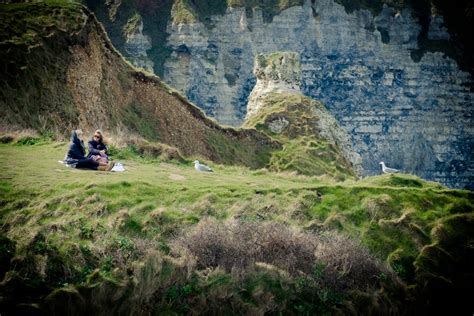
(313, 143)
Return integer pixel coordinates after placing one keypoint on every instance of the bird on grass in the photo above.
(386, 169)
(201, 168)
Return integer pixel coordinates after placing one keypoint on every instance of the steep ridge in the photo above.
(61, 72)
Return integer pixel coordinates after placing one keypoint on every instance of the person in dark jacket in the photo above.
(97, 148)
(75, 156)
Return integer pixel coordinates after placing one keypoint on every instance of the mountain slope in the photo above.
(61, 72)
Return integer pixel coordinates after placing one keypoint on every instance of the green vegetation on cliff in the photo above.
(304, 149)
(30, 28)
(135, 242)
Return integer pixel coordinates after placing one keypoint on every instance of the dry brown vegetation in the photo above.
(344, 263)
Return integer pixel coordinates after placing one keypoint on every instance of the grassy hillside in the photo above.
(162, 237)
(61, 72)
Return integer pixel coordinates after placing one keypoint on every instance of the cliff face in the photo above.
(137, 44)
(61, 73)
(411, 110)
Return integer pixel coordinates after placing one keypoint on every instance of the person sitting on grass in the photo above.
(97, 148)
(75, 156)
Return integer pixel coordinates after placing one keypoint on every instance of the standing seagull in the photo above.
(385, 169)
(201, 168)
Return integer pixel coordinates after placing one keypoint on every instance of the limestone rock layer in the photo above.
(414, 113)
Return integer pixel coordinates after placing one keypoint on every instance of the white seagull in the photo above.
(201, 168)
(385, 169)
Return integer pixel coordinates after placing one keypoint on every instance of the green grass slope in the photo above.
(163, 238)
(304, 150)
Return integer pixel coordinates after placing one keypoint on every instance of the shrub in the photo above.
(145, 149)
(28, 140)
(348, 264)
(238, 245)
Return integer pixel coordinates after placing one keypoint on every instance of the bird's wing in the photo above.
(206, 168)
(391, 170)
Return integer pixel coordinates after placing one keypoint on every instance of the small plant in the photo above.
(106, 264)
(349, 265)
(28, 140)
(86, 232)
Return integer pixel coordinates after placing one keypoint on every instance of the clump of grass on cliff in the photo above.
(80, 235)
(183, 13)
(132, 24)
(41, 18)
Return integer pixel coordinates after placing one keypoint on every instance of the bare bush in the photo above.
(345, 263)
(238, 245)
(12, 135)
(348, 264)
(157, 150)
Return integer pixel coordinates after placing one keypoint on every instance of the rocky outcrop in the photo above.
(113, 6)
(276, 102)
(400, 106)
(137, 44)
(275, 73)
